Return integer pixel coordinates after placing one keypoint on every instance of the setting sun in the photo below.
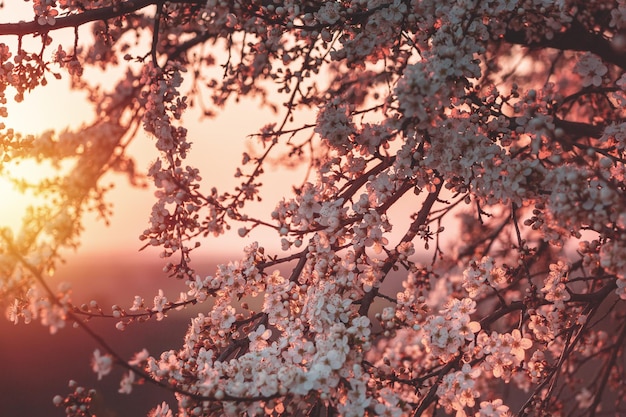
(15, 201)
(40, 111)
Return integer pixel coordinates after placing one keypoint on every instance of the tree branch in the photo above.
(75, 20)
(421, 219)
(575, 38)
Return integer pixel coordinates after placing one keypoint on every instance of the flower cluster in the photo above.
(503, 352)
(554, 285)
(575, 187)
(457, 390)
(77, 403)
(45, 11)
(334, 125)
(483, 275)
(450, 332)
(51, 312)
(591, 69)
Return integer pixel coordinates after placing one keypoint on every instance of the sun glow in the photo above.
(16, 199)
(52, 108)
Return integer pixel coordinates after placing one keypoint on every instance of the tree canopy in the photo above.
(501, 121)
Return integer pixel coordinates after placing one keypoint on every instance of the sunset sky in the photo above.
(217, 147)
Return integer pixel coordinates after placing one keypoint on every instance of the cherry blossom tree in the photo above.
(502, 290)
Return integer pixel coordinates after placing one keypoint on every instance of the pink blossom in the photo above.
(101, 364)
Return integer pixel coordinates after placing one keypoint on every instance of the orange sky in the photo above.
(216, 150)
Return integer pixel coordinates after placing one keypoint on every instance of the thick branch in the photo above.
(575, 38)
(75, 20)
(579, 129)
(421, 219)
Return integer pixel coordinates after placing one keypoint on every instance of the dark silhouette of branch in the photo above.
(78, 19)
(575, 38)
